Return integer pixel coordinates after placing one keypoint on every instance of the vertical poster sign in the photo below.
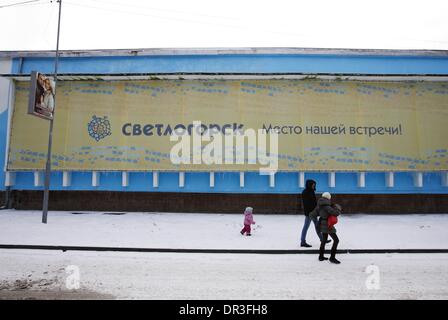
(41, 98)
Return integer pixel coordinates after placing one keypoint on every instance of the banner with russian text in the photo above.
(321, 125)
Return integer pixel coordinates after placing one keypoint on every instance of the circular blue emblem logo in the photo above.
(99, 128)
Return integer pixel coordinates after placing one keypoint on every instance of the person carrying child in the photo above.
(248, 221)
(328, 213)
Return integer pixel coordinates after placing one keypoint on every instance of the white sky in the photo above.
(101, 24)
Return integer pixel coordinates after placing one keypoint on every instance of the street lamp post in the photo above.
(50, 135)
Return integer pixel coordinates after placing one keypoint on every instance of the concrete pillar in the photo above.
(332, 179)
(66, 179)
(155, 179)
(38, 179)
(418, 179)
(181, 179)
(444, 178)
(301, 179)
(242, 179)
(212, 179)
(95, 179)
(389, 179)
(361, 179)
(125, 179)
(272, 180)
(10, 178)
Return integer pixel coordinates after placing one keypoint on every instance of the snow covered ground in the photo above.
(42, 274)
(30, 274)
(218, 231)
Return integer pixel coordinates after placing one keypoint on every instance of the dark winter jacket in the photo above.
(325, 209)
(309, 197)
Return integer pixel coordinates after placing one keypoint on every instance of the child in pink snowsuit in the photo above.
(248, 220)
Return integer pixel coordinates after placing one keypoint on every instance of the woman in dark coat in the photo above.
(325, 209)
(309, 203)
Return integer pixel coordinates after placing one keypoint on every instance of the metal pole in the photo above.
(50, 135)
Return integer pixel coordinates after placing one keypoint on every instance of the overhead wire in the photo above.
(215, 23)
(99, 6)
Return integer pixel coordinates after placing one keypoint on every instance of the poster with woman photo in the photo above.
(41, 100)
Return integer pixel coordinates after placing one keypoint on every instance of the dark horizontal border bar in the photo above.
(237, 251)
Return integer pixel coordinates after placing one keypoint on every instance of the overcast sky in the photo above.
(101, 24)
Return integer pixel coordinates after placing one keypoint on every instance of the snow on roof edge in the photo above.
(224, 51)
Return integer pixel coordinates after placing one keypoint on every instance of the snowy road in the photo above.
(218, 231)
(43, 274)
(114, 275)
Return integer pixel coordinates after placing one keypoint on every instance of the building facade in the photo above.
(326, 84)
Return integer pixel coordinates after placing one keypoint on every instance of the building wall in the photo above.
(5, 92)
(240, 64)
(229, 182)
(285, 183)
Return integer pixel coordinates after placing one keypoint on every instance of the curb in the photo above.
(234, 251)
